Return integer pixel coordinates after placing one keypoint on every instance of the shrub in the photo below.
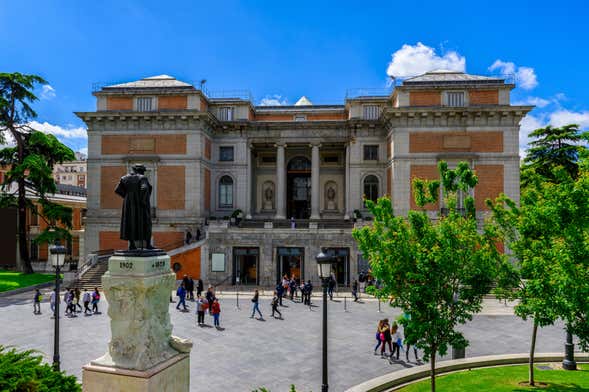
(23, 371)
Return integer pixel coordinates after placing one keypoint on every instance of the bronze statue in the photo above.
(135, 189)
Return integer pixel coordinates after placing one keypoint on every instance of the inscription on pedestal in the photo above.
(118, 265)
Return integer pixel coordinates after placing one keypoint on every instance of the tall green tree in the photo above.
(554, 147)
(31, 160)
(548, 235)
(436, 271)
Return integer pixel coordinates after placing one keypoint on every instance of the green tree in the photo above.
(549, 237)
(30, 161)
(436, 271)
(554, 147)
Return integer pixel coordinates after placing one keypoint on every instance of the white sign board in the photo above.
(218, 262)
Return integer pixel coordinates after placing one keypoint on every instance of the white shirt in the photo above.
(52, 298)
(86, 297)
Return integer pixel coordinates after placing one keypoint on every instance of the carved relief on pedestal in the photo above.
(331, 196)
(268, 196)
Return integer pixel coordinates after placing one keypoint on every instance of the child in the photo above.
(215, 311)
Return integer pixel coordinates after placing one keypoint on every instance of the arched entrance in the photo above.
(298, 188)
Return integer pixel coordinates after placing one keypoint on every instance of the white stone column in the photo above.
(315, 181)
(280, 182)
(248, 182)
(348, 212)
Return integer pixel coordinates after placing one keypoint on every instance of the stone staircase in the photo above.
(92, 277)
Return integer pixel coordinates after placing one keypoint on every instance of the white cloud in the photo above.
(83, 150)
(273, 100)
(418, 59)
(525, 77)
(536, 101)
(565, 117)
(68, 132)
(47, 92)
(528, 124)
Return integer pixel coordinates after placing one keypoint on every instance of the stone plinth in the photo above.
(142, 353)
(172, 375)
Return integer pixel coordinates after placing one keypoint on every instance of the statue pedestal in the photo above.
(142, 354)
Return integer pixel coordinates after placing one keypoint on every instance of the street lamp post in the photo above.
(569, 353)
(57, 252)
(324, 263)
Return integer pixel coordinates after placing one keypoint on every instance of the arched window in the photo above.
(371, 188)
(226, 192)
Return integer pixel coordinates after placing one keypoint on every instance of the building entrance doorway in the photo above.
(341, 268)
(298, 188)
(245, 266)
(290, 262)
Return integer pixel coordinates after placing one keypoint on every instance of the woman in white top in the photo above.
(397, 340)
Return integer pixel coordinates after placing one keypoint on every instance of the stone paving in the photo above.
(273, 353)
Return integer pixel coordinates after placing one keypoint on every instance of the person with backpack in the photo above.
(274, 304)
(86, 298)
(256, 305)
(37, 302)
(216, 311)
(201, 306)
(181, 294)
(95, 300)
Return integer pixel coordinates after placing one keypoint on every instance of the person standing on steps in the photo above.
(275, 306)
(86, 298)
(37, 302)
(216, 311)
(256, 305)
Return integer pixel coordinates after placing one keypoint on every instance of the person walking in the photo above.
(355, 290)
(52, 298)
(66, 297)
(379, 337)
(279, 292)
(95, 300)
(86, 298)
(330, 287)
(275, 306)
(190, 288)
(37, 302)
(199, 287)
(292, 288)
(77, 294)
(216, 311)
(181, 294)
(309, 291)
(386, 334)
(256, 305)
(201, 306)
(397, 340)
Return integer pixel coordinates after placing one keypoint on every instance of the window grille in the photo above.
(226, 113)
(456, 98)
(371, 112)
(145, 104)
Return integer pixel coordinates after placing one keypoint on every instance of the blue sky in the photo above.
(281, 51)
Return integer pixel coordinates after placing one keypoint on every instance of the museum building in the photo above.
(271, 186)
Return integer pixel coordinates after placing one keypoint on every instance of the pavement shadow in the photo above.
(220, 328)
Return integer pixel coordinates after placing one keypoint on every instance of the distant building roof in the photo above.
(159, 81)
(303, 101)
(72, 190)
(450, 77)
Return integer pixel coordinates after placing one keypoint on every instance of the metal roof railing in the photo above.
(231, 94)
(382, 92)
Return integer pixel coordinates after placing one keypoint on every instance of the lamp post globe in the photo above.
(324, 263)
(57, 255)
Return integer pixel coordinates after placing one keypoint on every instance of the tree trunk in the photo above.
(532, 349)
(25, 261)
(433, 371)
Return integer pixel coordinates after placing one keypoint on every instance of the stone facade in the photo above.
(209, 157)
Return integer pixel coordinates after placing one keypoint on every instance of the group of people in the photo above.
(186, 291)
(390, 335)
(210, 302)
(72, 299)
(291, 286)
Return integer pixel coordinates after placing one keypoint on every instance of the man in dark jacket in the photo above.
(330, 287)
(279, 292)
(199, 287)
(308, 291)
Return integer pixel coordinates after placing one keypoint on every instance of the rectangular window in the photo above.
(371, 152)
(226, 154)
(145, 104)
(455, 98)
(226, 113)
(371, 112)
(300, 117)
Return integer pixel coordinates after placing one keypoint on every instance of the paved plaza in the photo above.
(274, 353)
